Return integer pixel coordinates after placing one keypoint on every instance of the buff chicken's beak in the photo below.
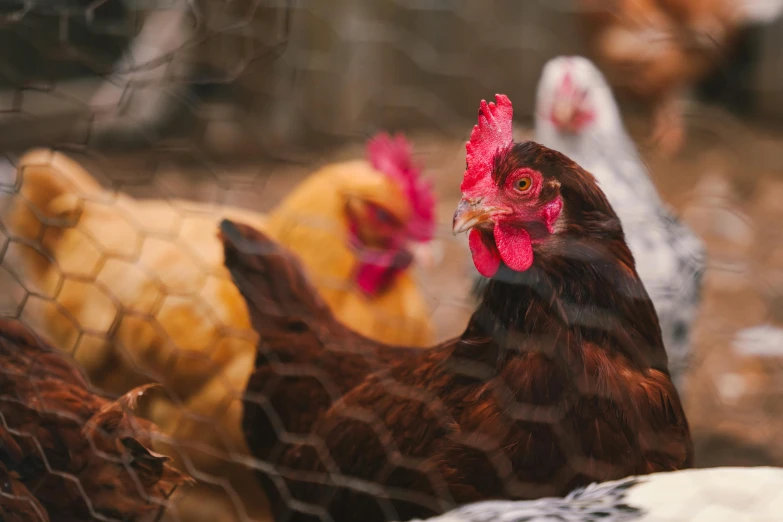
(427, 255)
(472, 213)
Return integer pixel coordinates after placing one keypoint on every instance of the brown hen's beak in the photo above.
(472, 213)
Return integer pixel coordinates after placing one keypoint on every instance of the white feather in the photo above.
(759, 11)
(696, 495)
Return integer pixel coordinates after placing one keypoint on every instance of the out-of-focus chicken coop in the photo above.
(131, 129)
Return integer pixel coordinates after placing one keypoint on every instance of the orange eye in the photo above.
(523, 184)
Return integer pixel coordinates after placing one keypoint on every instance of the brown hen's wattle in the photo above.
(560, 378)
(66, 454)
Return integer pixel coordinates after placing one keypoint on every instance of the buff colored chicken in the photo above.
(137, 290)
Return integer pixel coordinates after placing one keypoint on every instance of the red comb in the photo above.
(393, 157)
(493, 132)
(568, 82)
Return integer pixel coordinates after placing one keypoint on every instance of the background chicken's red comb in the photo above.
(393, 157)
(493, 132)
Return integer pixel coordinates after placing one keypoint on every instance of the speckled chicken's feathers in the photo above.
(716, 494)
(605, 502)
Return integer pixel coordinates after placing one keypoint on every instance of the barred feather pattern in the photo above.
(605, 502)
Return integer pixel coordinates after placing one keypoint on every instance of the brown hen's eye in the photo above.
(523, 184)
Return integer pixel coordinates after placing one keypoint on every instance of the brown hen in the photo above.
(82, 456)
(559, 380)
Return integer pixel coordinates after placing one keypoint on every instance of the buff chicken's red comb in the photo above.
(493, 133)
(393, 157)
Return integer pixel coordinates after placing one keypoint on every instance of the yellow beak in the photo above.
(471, 213)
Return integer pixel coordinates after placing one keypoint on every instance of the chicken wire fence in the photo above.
(166, 117)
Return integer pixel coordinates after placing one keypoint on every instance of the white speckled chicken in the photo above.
(576, 114)
(714, 495)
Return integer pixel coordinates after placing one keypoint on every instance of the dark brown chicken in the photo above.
(82, 456)
(559, 380)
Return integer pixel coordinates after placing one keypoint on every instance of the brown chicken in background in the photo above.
(137, 290)
(657, 50)
(82, 456)
(559, 380)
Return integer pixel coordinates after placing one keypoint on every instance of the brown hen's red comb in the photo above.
(493, 133)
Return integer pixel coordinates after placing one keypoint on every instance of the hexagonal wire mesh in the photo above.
(164, 118)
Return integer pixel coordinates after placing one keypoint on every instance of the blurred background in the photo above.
(234, 103)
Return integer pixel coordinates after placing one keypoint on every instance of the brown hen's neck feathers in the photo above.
(583, 285)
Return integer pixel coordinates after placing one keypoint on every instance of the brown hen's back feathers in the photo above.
(306, 359)
(82, 456)
(559, 380)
